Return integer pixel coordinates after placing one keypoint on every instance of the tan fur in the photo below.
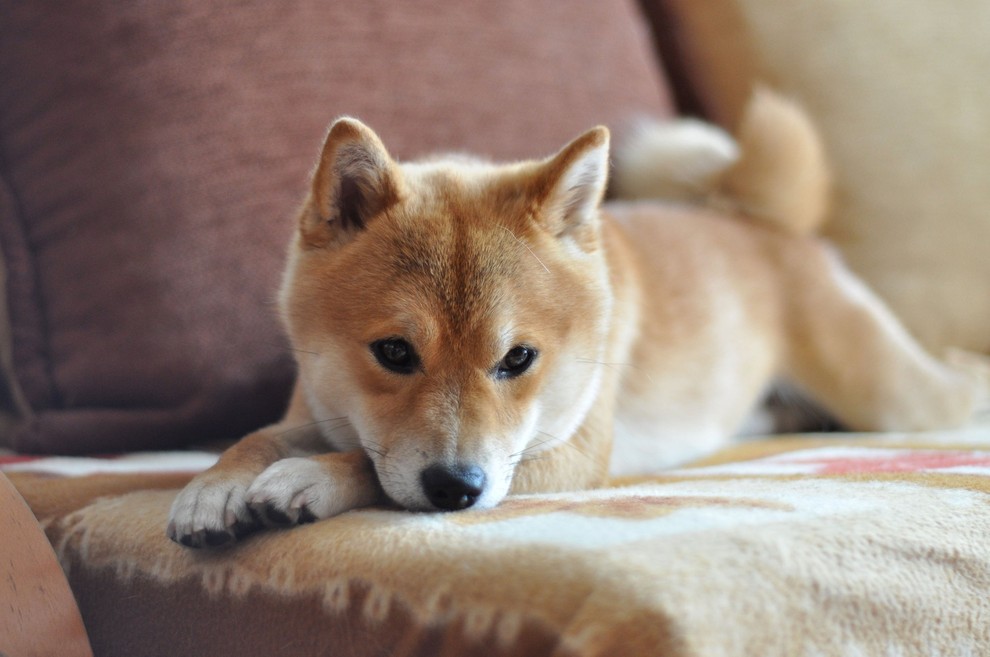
(782, 176)
(663, 324)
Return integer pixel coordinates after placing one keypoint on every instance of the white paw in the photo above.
(295, 490)
(211, 511)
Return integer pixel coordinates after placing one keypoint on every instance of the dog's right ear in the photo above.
(570, 186)
(355, 180)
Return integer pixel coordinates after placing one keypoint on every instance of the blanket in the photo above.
(848, 545)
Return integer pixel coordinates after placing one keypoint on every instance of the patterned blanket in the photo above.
(847, 545)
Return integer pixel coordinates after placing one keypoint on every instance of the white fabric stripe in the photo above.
(151, 462)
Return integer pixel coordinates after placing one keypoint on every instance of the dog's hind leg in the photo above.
(848, 350)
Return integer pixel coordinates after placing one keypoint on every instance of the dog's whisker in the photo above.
(532, 446)
(374, 450)
(591, 361)
(571, 444)
(310, 425)
(282, 345)
(526, 246)
(338, 427)
(526, 454)
(304, 351)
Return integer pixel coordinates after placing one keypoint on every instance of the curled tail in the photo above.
(774, 169)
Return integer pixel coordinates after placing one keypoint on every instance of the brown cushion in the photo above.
(153, 156)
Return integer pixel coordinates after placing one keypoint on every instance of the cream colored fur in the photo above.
(777, 171)
(683, 160)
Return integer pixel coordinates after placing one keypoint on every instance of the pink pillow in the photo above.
(152, 156)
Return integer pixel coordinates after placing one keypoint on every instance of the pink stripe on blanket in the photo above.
(898, 461)
(851, 460)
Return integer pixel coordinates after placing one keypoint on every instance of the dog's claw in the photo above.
(306, 516)
(217, 538)
(243, 528)
(277, 517)
(267, 514)
(211, 538)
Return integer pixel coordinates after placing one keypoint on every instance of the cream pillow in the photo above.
(900, 91)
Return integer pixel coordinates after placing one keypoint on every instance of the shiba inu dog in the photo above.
(465, 329)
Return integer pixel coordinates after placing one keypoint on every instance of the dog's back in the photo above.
(736, 292)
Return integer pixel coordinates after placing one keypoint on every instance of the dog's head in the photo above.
(451, 312)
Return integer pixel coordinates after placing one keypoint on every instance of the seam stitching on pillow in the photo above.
(53, 397)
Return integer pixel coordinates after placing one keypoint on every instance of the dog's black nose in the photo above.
(452, 488)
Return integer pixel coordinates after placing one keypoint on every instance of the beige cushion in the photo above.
(899, 90)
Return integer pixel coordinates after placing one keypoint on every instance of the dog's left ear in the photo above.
(355, 180)
(572, 182)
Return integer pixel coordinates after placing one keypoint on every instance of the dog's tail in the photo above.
(775, 170)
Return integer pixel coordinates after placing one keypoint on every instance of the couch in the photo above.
(151, 158)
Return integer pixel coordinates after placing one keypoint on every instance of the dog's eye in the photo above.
(395, 354)
(515, 362)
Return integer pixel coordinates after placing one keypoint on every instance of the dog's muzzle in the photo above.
(451, 488)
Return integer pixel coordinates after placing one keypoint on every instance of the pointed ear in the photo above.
(572, 183)
(355, 180)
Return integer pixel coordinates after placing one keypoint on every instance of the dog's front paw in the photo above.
(294, 491)
(211, 511)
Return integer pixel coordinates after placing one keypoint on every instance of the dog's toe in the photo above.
(207, 513)
(272, 495)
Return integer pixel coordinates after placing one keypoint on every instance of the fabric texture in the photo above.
(897, 90)
(152, 157)
(834, 546)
